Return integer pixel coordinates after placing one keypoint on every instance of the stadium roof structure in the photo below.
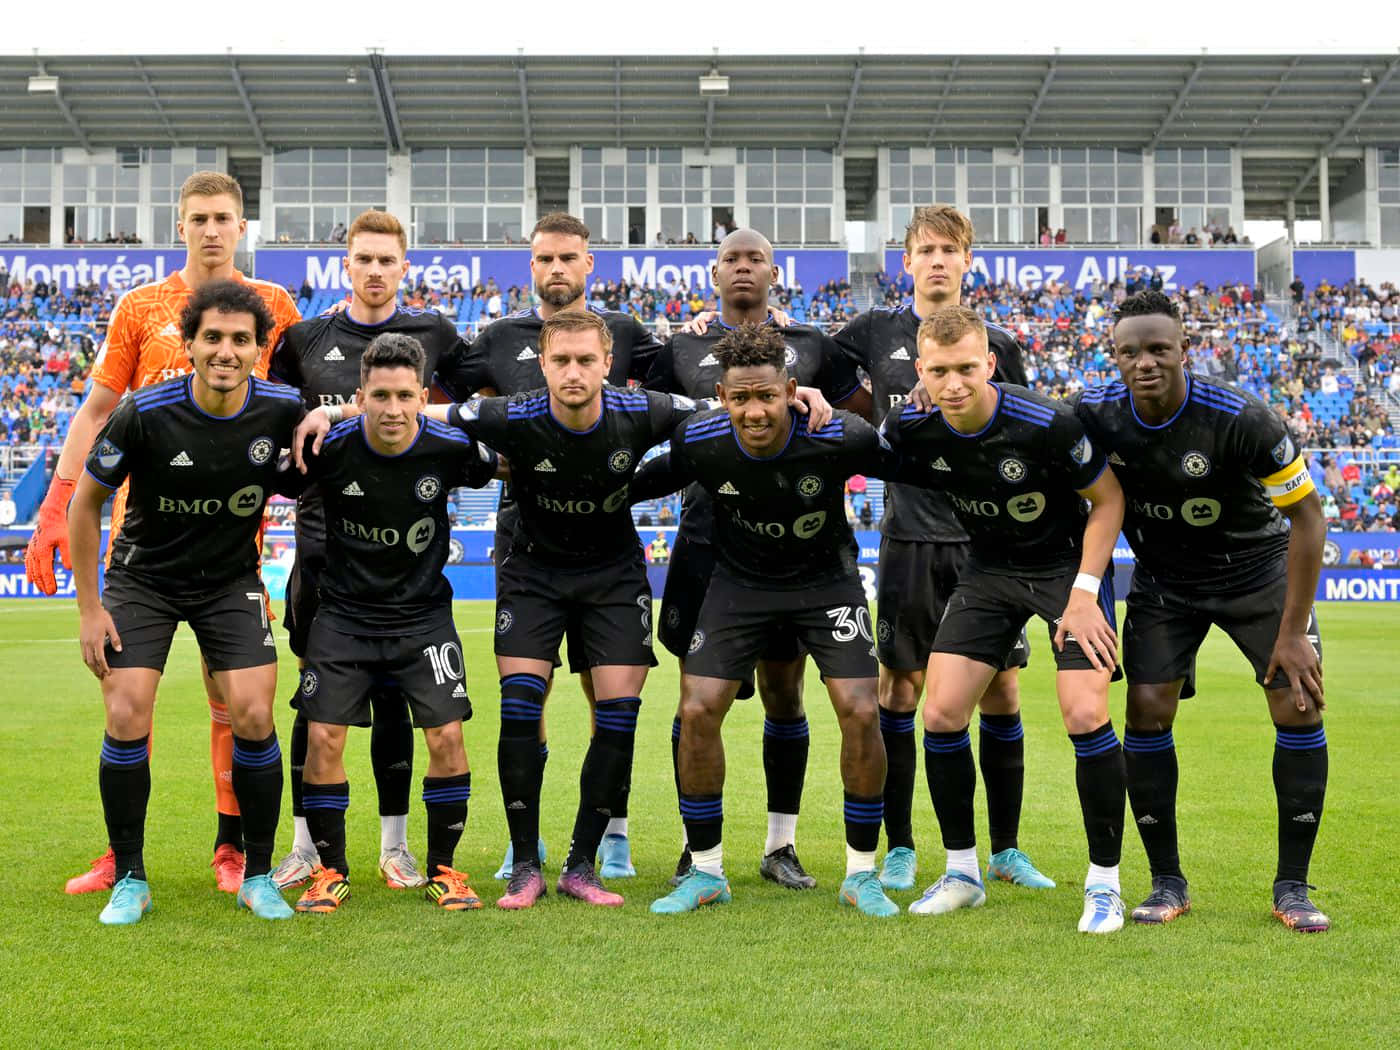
(1284, 111)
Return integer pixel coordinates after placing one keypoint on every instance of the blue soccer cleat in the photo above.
(1103, 911)
(863, 892)
(696, 890)
(131, 899)
(260, 896)
(617, 858)
(951, 892)
(900, 867)
(1011, 865)
(503, 872)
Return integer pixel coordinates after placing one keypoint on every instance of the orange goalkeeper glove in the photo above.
(50, 534)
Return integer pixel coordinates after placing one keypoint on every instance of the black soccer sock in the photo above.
(391, 750)
(1149, 757)
(230, 831)
(520, 761)
(325, 819)
(1101, 779)
(897, 729)
(1001, 753)
(296, 760)
(1300, 782)
(676, 753)
(864, 815)
(786, 742)
(257, 784)
(606, 768)
(446, 799)
(124, 779)
(704, 820)
(952, 784)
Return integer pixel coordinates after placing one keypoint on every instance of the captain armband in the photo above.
(1290, 484)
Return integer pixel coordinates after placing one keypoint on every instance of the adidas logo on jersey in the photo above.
(182, 460)
(334, 354)
(459, 826)
(352, 489)
(1147, 818)
(269, 642)
(708, 359)
(728, 490)
(902, 354)
(458, 692)
(528, 354)
(1305, 818)
(170, 329)
(1116, 459)
(544, 466)
(941, 464)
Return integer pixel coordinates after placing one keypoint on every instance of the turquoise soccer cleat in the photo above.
(617, 858)
(1011, 865)
(131, 899)
(261, 897)
(900, 867)
(696, 890)
(508, 863)
(863, 892)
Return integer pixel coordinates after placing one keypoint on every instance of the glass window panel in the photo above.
(673, 223)
(669, 155)
(1074, 196)
(299, 195)
(291, 175)
(1217, 176)
(694, 177)
(636, 155)
(1101, 225)
(1129, 196)
(697, 220)
(1390, 226)
(427, 156)
(818, 224)
(790, 197)
(636, 176)
(505, 195)
(36, 176)
(760, 196)
(1386, 196)
(761, 156)
(502, 223)
(294, 223)
(614, 196)
(612, 175)
(722, 177)
(789, 226)
(760, 177)
(13, 195)
(1192, 217)
(984, 222)
(1101, 156)
(920, 176)
(364, 155)
(592, 155)
(899, 219)
(1076, 224)
(131, 196)
(1168, 177)
(1219, 196)
(477, 195)
(1193, 196)
(368, 177)
(593, 219)
(672, 196)
(1130, 158)
(11, 223)
(1101, 176)
(899, 174)
(819, 196)
(668, 176)
(901, 196)
(1218, 156)
(979, 175)
(819, 156)
(505, 174)
(1073, 155)
(899, 156)
(328, 175)
(128, 177)
(790, 176)
(1130, 177)
(75, 177)
(1193, 156)
(789, 156)
(1101, 196)
(1129, 226)
(1036, 177)
(475, 175)
(425, 175)
(616, 224)
(498, 154)
(328, 155)
(762, 220)
(292, 156)
(592, 175)
(1005, 177)
(819, 175)
(980, 196)
(206, 157)
(977, 156)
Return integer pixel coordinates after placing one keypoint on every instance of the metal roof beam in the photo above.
(524, 104)
(617, 99)
(247, 104)
(942, 101)
(67, 112)
(387, 106)
(850, 106)
(1178, 105)
(1348, 124)
(1039, 101)
(155, 101)
(1268, 99)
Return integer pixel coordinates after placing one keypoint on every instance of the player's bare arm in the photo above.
(84, 540)
(1293, 652)
(1082, 617)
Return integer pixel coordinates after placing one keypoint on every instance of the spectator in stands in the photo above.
(1060, 236)
(8, 511)
(658, 551)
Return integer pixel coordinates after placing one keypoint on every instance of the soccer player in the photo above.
(743, 272)
(201, 456)
(385, 610)
(784, 565)
(1228, 530)
(1017, 468)
(505, 360)
(923, 550)
(144, 346)
(321, 358)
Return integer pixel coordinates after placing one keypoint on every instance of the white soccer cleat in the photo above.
(295, 868)
(1103, 911)
(951, 892)
(400, 869)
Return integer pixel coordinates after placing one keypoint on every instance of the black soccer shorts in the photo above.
(738, 624)
(304, 591)
(987, 614)
(605, 609)
(916, 580)
(229, 623)
(342, 669)
(1164, 629)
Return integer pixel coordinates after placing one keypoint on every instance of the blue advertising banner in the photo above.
(1032, 267)
(1333, 265)
(436, 267)
(119, 267)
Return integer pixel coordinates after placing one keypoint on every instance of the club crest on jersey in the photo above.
(883, 630)
(1013, 470)
(309, 683)
(505, 620)
(809, 485)
(1283, 452)
(696, 641)
(469, 410)
(789, 356)
(682, 403)
(1082, 451)
(1195, 464)
(1331, 554)
(644, 603)
(108, 455)
(260, 451)
(427, 487)
(455, 551)
(673, 617)
(620, 460)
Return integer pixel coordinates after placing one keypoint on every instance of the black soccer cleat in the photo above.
(1167, 901)
(683, 867)
(783, 867)
(1295, 909)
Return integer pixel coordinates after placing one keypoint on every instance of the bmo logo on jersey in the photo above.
(804, 528)
(614, 502)
(417, 537)
(244, 503)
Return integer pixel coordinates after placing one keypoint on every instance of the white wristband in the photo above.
(1087, 581)
(334, 413)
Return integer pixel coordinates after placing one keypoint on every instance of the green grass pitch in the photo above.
(774, 966)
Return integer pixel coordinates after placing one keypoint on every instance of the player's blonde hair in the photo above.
(949, 324)
(575, 321)
(374, 221)
(942, 219)
(211, 184)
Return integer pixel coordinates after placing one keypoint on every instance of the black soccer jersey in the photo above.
(780, 520)
(686, 365)
(198, 482)
(571, 487)
(387, 532)
(884, 342)
(1202, 488)
(505, 357)
(1013, 484)
(321, 358)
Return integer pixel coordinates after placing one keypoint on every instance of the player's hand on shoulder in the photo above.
(781, 318)
(336, 307)
(310, 432)
(94, 629)
(1084, 621)
(814, 406)
(1294, 656)
(700, 323)
(919, 397)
